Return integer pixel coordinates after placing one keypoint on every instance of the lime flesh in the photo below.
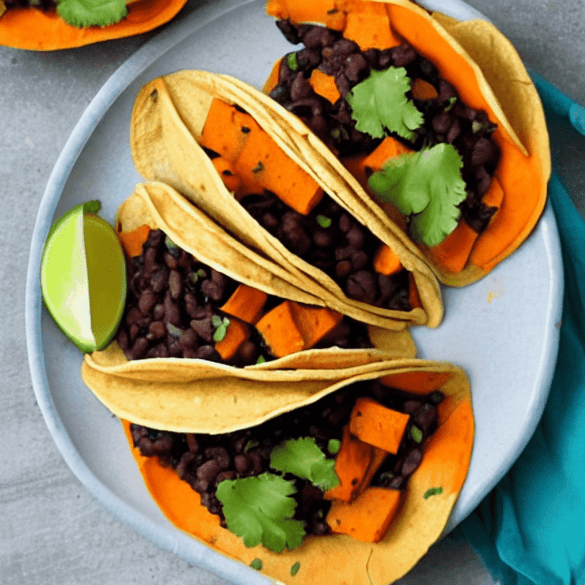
(83, 278)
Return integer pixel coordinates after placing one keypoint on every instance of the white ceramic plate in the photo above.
(502, 330)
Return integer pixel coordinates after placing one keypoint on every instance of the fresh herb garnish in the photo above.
(427, 186)
(452, 101)
(220, 325)
(291, 61)
(295, 568)
(261, 359)
(260, 510)
(195, 276)
(379, 103)
(256, 564)
(433, 492)
(333, 446)
(323, 221)
(416, 434)
(82, 13)
(303, 458)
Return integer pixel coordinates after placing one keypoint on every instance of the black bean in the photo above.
(359, 260)
(203, 328)
(172, 312)
(402, 55)
(156, 330)
(208, 471)
(220, 455)
(412, 461)
(175, 284)
(343, 269)
(318, 37)
(322, 238)
(361, 286)
(206, 352)
(356, 68)
(356, 237)
(147, 301)
(192, 442)
(300, 87)
(138, 348)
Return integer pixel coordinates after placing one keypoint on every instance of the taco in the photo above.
(199, 311)
(353, 487)
(50, 25)
(224, 146)
(435, 121)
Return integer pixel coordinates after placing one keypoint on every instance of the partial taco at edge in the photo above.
(365, 510)
(222, 144)
(45, 26)
(411, 102)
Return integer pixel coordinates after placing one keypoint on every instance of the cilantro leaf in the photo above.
(379, 102)
(260, 510)
(82, 13)
(303, 458)
(427, 186)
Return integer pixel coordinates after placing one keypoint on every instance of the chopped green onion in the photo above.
(323, 221)
(433, 492)
(291, 61)
(256, 564)
(295, 568)
(333, 446)
(416, 434)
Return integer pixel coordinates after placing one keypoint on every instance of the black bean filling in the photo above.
(173, 302)
(204, 461)
(344, 250)
(446, 118)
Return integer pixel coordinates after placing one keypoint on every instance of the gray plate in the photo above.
(502, 330)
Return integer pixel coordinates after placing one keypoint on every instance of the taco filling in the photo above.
(292, 207)
(178, 306)
(366, 436)
(320, 81)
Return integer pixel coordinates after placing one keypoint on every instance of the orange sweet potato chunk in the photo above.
(246, 304)
(237, 332)
(280, 331)
(351, 466)
(377, 425)
(368, 517)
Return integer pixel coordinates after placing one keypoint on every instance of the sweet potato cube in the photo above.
(386, 261)
(377, 425)
(368, 24)
(225, 170)
(246, 304)
(351, 466)
(237, 332)
(227, 130)
(324, 85)
(263, 165)
(368, 517)
(423, 90)
(314, 323)
(280, 332)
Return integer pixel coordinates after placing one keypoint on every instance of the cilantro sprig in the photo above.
(82, 13)
(427, 186)
(260, 510)
(379, 103)
(303, 458)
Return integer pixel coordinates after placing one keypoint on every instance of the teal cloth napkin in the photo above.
(530, 530)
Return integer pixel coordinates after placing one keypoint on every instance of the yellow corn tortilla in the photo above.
(168, 393)
(167, 120)
(506, 93)
(340, 559)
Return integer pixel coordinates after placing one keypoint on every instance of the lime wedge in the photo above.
(83, 278)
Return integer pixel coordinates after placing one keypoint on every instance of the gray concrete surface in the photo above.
(51, 530)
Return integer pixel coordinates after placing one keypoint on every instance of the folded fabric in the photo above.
(530, 530)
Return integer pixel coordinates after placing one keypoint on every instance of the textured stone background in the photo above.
(52, 530)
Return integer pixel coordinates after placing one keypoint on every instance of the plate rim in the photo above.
(169, 537)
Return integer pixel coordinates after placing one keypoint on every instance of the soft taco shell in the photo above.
(488, 73)
(167, 393)
(38, 30)
(167, 120)
(338, 559)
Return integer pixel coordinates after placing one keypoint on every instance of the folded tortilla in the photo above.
(488, 74)
(167, 121)
(340, 559)
(168, 393)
